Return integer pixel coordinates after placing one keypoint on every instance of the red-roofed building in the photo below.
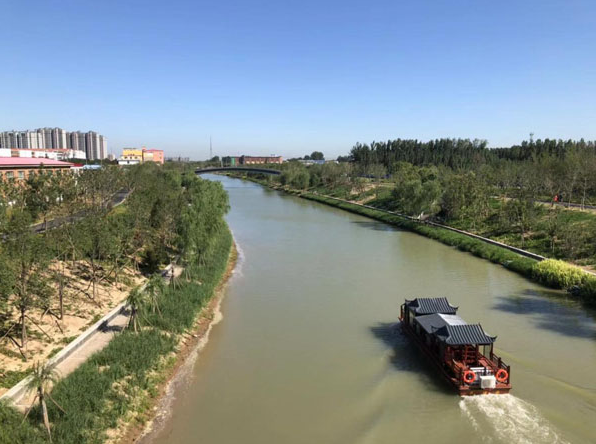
(23, 167)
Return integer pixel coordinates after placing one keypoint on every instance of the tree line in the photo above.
(504, 193)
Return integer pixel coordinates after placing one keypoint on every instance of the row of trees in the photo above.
(541, 168)
(169, 212)
(462, 182)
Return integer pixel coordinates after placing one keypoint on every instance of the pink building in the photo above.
(153, 155)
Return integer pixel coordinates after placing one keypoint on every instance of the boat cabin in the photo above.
(463, 352)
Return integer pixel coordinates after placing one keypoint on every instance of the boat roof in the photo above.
(468, 334)
(431, 323)
(425, 306)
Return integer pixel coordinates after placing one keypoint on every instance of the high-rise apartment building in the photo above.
(95, 146)
(58, 138)
(103, 147)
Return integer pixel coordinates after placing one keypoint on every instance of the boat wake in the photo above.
(508, 419)
(237, 272)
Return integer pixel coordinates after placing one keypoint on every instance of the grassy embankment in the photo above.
(553, 273)
(118, 383)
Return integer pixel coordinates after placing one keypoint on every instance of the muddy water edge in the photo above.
(309, 350)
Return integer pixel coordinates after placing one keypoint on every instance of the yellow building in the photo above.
(132, 152)
(131, 156)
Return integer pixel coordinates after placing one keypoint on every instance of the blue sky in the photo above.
(291, 77)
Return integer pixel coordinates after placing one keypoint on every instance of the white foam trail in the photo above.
(509, 419)
(237, 272)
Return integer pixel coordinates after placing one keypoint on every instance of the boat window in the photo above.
(486, 350)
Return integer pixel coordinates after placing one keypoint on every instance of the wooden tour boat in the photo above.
(462, 352)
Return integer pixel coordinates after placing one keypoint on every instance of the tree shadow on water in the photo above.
(375, 226)
(406, 357)
(549, 310)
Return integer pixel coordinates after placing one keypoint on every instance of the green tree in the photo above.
(378, 172)
(417, 191)
(465, 196)
(42, 194)
(202, 214)
(553, 225)
(520, 214)
(42, 377)
(96, 243)
(27, 258)
(301, 180)
(135, 300)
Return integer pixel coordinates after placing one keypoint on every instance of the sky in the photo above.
(290, 77)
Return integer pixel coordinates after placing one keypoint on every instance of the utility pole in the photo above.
(210, 149)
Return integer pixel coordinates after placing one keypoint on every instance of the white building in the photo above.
(124, 160)
(37, 153)
(93, 145)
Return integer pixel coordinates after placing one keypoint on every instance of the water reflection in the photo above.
(550, 311)
(406, 357)
(374, 225)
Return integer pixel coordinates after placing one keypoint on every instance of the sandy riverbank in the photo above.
(142, 429)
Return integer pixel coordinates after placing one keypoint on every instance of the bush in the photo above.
(560, 274)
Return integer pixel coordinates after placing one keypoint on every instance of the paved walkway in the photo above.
(100, 339)
(96, 343)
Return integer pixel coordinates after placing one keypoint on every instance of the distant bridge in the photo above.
(247, 169)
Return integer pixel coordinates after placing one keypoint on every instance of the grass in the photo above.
(69, 339)
(11, 377)
(54, 352)
(12, 431)
(119, 381)
(538, 240)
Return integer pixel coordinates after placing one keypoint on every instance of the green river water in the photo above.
(308, 350)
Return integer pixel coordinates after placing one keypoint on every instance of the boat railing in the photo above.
(460, 370)
(500, 364)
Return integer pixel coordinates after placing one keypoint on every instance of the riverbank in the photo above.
(550, 272)
(113, 393)
(308, 350)
(189, 348)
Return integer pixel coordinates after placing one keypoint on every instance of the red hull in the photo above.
(450, 372)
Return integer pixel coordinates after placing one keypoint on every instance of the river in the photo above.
(308, 350)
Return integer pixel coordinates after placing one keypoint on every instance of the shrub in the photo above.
(560, 274)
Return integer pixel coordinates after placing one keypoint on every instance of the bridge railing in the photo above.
(246, 169)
